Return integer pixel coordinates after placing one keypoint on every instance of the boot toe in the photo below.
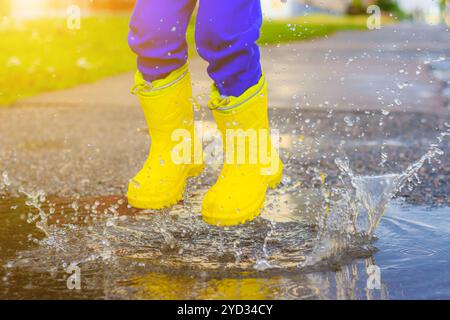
(151, 194)
(229, 208)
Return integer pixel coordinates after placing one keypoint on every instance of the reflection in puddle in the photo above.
(123, 253)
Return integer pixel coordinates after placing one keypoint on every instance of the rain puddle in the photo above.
(310, 243)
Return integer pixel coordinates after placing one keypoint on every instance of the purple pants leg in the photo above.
(158, 35)
(226, 32)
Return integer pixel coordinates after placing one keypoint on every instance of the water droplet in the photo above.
(6, 180)
(348, 121)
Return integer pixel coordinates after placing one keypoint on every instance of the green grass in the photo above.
(303, 28)
(44, 55)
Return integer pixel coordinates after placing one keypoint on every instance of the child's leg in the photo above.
(158, 30)
(226, 33)
(226, 36)
(158, 35)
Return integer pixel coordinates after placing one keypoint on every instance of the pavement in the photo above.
(369, 96)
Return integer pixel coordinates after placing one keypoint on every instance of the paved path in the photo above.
(351, 70)
(91, 139)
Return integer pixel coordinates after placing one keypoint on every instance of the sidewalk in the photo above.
(349, 71)
(91, 139)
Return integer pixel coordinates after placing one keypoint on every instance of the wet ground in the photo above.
(128, 258)
(374, 98)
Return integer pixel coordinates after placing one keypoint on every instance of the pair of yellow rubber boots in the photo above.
(251, 163)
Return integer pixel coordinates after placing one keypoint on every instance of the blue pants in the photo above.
(225, 34)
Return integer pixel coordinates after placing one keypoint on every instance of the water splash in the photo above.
(39, 216)
(262, 263)
(347, 218)
(356, 210)
(5, 182)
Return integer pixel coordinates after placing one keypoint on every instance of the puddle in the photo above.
(175, 256)
(316, 242)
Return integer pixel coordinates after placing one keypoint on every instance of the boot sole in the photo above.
(157, 205)
(251, 214)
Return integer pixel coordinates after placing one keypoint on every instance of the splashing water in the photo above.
(350, 222)
(35, 199)
(347, 218)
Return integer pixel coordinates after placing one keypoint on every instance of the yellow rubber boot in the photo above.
(168, 110)
(251, 163)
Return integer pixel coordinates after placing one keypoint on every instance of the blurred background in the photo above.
(55, 44)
